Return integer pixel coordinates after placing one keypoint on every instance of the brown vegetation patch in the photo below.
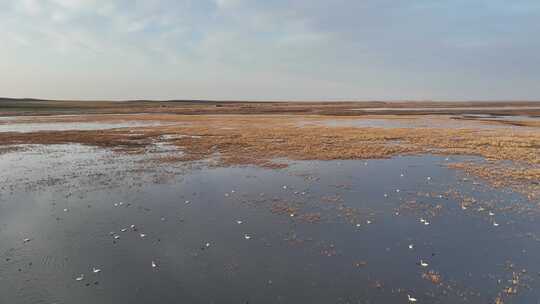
(261, 139)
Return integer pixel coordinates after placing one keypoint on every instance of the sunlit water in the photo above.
(225, 235)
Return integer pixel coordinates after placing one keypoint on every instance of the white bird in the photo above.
(96, 270)
(411, 299)
(154, 265)
(116, 237)
(385, 195)
(132, 226)
(247, 236)
(411, 246)
(123, 229)
(115, 204)
(26, 240)
(426, 223)
(495, 224)
(80, 278)
(239, 222)
(292, 214)
(428, 178)
(423, 264)
(142, 235)
(66, 209)
(491, 213)
(422, 220)
(397, 190)
(358, 225)
(368, 222)
(207, 245)
(402, 175)
(227, 194)
(187, 202)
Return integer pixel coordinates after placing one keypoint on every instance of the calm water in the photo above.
(316, 232)
(64, 126)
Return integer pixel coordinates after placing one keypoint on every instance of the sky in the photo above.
(271, 49)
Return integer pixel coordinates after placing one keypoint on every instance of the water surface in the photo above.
(316, 232)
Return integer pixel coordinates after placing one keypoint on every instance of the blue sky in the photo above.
(264, 49)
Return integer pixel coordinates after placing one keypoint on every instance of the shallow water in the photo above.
(62, 198)
(414, 109)
(410, 123)
(503, 117)
(13, 126)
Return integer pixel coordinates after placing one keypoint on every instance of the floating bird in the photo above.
(123, 229)
(422, 220)
(292, 214)
(26, 240)
(132, 226)
(411, 299)
(423, 264)
(142, 235)
(495, 224)
(397, 190)
(96, 270)
(207, 245)
(402, 175)
(227, 194)
(115, 204)
(426, 223)
(154, 265)
(66, 209)
(80, 278)
(428, 178)
(187, 202)
(116, 237)
(385, 195)
(368, 222)
(284, 187)
(239, 222)
(247, 236)
(491, 213)
(358, 225)
(411, 246)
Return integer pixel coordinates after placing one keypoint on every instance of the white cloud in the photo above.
(269, 44)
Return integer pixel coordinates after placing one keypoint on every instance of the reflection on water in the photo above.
(317, 232)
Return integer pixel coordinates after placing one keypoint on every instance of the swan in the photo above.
(411, 299)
